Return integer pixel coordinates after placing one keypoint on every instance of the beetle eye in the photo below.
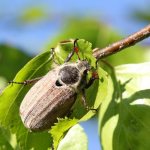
(85, 71)
(58, 83)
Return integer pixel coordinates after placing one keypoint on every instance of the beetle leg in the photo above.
(84, 102)
(75, 49)
(92, 79)
(26, 82)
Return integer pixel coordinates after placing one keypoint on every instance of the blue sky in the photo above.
(33, 37)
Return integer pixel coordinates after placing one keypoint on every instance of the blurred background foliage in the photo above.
(142, 15)
(33, 14)
(32, 26)
(11, 60)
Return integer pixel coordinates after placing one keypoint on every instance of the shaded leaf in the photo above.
(125, 114)
(5, 139)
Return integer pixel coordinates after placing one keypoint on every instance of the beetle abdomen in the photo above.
(45, 102)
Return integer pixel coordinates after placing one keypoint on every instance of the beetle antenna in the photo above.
(75, 50)
(53, 55)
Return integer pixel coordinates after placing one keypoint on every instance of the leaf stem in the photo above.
(122, 44)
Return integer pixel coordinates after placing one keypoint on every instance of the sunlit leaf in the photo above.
(58, 131)
(75, 139)
(124, 116)
(63, 49)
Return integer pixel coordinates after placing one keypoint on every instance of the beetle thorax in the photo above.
(71, 74)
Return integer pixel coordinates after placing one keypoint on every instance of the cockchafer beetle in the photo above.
(53, 95)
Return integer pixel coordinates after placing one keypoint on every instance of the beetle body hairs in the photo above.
(53, 95)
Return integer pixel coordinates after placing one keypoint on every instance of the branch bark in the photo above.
(120, 45)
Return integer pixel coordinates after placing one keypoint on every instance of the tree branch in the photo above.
(120, 45)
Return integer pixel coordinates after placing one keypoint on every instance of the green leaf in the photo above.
(10, 100)
(2, 83)
(5, 139)
(58, 131)
(124, 116)
(63, 49)
(75, 139)
(106, 118)
(138, 74)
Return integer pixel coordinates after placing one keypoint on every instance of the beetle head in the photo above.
(83, 66)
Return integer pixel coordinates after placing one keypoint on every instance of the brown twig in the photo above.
(120, 45)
